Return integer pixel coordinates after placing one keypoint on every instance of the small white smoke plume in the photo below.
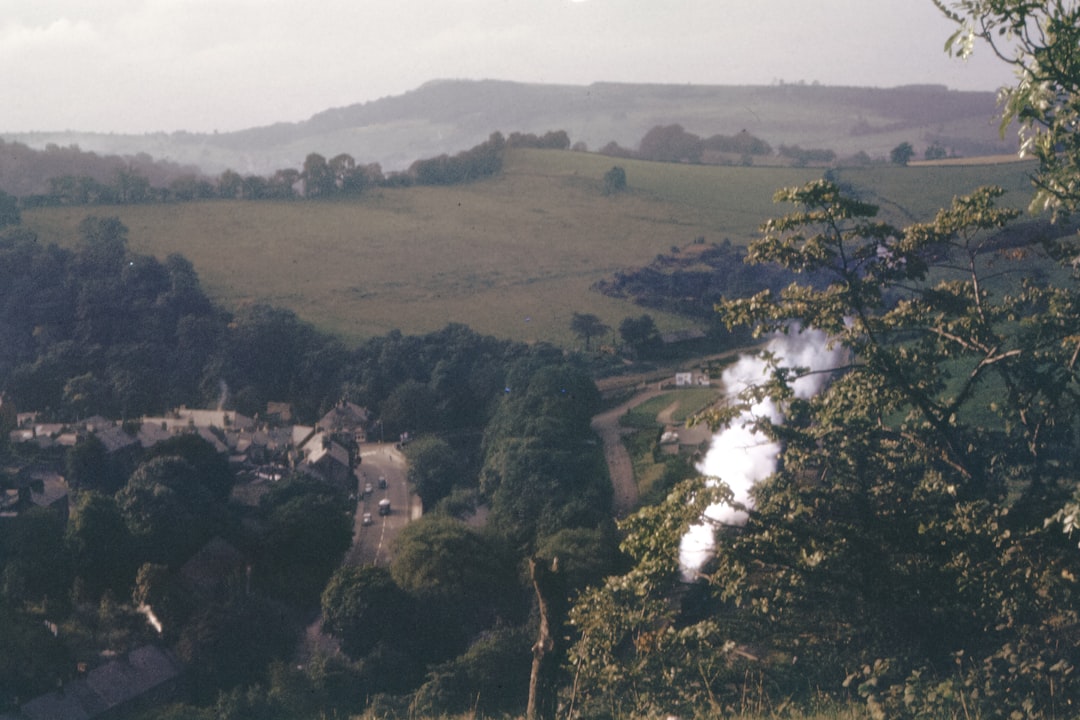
(738, 455)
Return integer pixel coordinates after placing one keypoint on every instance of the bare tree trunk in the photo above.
(550, 603)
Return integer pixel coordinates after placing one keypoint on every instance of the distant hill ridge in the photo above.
(447, 116)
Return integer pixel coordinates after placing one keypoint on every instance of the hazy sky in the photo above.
(201, 65)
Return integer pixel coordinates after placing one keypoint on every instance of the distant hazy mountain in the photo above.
(447, 116)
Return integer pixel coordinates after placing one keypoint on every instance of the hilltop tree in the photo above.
(670, 143)
(902, 154)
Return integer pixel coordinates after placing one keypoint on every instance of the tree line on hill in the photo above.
(69, 176)
(673, 144)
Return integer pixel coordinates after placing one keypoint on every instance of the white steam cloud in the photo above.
(738, 455)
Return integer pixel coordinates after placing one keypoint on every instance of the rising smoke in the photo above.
(738, 455)
(223, 394)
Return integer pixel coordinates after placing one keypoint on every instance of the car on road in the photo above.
(382, 482)
(368, 489)
(367, 519)
(384, 507)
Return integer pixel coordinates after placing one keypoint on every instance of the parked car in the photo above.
(382, 482)
(367, 519)
(368, 489)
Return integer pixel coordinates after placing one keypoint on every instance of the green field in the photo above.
(514, 256)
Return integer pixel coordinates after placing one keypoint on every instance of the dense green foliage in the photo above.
(434, 469)
(542, 470)
(907, 550)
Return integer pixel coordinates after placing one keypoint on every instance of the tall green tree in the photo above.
(100, 544)
(363, 607)
(461, 579)
(587, 326)
(318, 177)
(902, 154)
(434, 468)
(306, 530)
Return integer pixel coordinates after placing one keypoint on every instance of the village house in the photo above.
(146, 676)
(692, 379)
(346, 418)
(327, 459)
(27, 487)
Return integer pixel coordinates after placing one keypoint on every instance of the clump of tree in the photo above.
(72, 174)
(640, 335)
(482, 161)
(935, 151)
(97, 328)
(551, 140)
(801, 157)
(743, 143)
(691, 284)
(542, 472)
(902, 154)
(670, 143)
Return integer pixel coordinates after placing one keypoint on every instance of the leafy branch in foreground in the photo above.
(910, 517)
(1039, 40)
(902, 551)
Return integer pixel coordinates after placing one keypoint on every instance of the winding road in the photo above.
(620, 468)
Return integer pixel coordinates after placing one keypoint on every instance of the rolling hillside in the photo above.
(514, 256)
(451, 115)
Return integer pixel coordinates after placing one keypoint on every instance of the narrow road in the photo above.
(620, 468)
(371, 543)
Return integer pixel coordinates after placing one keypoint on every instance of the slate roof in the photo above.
(106, 688)
(345, 416)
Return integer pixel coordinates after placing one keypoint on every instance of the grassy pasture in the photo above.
(513, 256)
(688, 401)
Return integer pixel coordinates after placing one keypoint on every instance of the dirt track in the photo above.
(606, 425)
